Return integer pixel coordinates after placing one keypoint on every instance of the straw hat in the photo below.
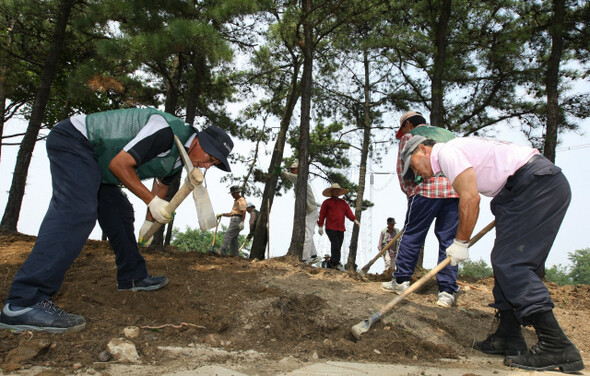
(340, 191)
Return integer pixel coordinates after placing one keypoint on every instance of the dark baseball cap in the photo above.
(215, 142)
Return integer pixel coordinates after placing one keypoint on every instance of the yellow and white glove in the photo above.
(241, 226)
(144, 228)
(458, 251)
(158, 208)
(356, 221)
(321, 231)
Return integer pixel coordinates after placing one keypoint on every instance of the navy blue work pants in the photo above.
(78, 200)
(422, 211)
(529, 211)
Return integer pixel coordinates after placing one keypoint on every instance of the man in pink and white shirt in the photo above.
(530, 198)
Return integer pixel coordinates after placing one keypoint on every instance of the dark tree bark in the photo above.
(552, 79)
(366, 126)
(258, 249)
(440, 55)
(298, 235)
(23, 159)
(172, 93)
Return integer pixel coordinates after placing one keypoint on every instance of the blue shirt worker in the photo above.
(90, 156)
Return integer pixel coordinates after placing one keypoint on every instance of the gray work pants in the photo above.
(231, 237)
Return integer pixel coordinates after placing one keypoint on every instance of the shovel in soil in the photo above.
(193, 183)
(212, 250)
(363, 326)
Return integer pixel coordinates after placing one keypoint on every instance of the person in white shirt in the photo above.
(310, 255)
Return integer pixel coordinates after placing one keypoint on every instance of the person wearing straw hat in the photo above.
(429, 200)
(236, 223)
(530, 198)
(254, 215)
(309, 255)
(332, 212)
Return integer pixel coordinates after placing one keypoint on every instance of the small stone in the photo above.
(77, 366)
(315, 355)
(377, 351)
(123, 350)
(131, 332)
(105, 356)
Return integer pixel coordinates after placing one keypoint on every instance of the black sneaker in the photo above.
(149, 283)
(44, 316)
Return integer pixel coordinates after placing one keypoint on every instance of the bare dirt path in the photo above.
(259, 318)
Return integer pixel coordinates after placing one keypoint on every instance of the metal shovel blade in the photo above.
(363, 326)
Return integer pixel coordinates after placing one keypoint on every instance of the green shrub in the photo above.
(558, 274)
(580, 271)
(196, 240)
(475, 269)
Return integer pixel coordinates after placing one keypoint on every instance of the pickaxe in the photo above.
(193, 183)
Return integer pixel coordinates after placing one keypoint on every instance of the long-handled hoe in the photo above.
(363, 326)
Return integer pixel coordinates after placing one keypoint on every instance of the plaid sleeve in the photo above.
(406, 186)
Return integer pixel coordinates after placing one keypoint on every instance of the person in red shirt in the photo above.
(333, 211)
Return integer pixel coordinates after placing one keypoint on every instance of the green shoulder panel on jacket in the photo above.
(437, 134)
(110, 131)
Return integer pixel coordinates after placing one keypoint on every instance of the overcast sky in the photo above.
(572, 156)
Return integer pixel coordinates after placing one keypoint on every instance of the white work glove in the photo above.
(241, 226)
(158, 209)
(356, 221)
(458, 251)
(144, 228)
(321, 231)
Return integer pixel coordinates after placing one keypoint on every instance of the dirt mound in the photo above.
(279, 308)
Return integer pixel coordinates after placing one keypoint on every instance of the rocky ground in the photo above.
(258, 318)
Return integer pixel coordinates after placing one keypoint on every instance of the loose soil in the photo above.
(249, 315)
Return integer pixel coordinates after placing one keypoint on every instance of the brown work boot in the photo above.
(553, 351)
(507, 340)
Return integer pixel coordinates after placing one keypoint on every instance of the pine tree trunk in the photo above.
(258, 246)
(552, 79)
(440, 55)
(172, 88)
(23, 159)
(366, 125)
(298, 235)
